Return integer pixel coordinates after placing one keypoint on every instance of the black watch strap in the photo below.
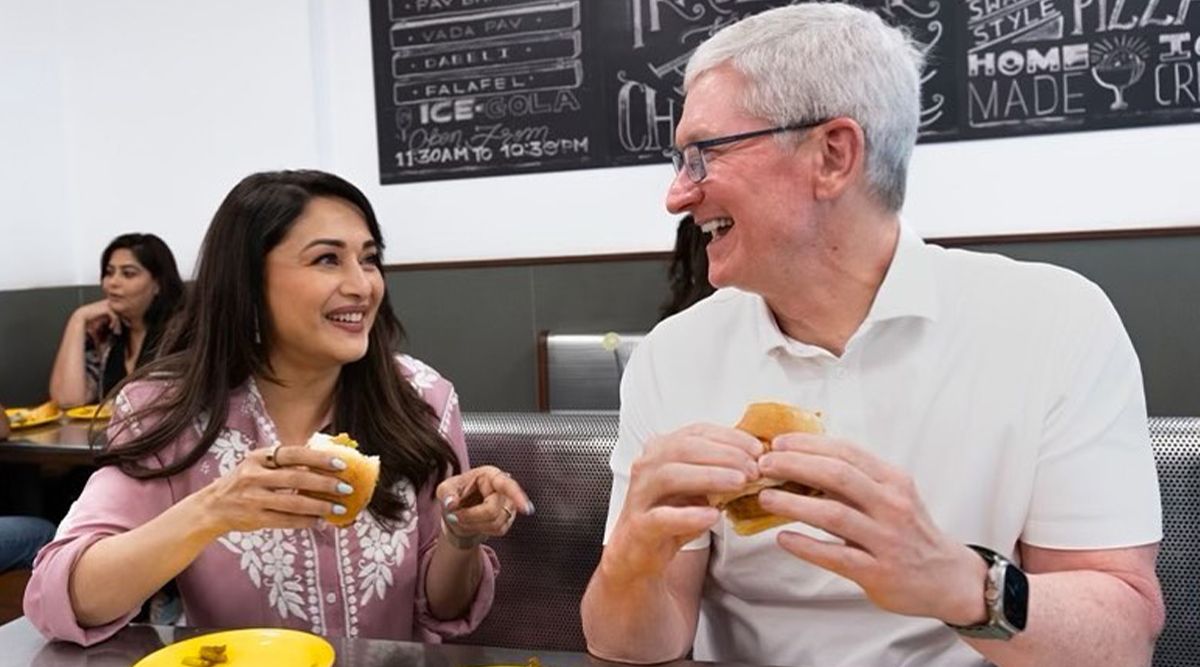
(1005, 595)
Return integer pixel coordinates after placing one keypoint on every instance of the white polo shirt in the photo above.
(1008, 390)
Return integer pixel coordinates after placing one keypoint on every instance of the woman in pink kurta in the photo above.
(188, 498)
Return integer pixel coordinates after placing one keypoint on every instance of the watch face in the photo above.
(1016, 597)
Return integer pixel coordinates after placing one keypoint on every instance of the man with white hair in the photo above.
(989, 489)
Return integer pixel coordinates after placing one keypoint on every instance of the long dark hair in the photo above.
(688, 273)
(152, 253)
(213, 347)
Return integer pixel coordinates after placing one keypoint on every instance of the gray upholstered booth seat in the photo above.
(1177, 450)
(562, 461)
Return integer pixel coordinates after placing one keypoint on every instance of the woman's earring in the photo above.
(257, 336)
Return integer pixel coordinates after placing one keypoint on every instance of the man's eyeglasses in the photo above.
(691, 156)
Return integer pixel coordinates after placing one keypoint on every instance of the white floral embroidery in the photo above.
(368, 571)
(447, 413)
(380, 550)
(121, 405)
(257, 408)
(123, 408)
(312, 585)
(229, 449)
(268, 557)
(421, 377)
(286, 564)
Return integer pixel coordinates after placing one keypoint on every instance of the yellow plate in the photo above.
(36, 416)
(252, 646)
(90, 412)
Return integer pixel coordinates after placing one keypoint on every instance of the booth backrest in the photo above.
(582, 371)
(1177, 451)
(562, 461)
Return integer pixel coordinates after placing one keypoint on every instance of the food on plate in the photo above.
(361, 473)
(209, 656)
(245, 647)
(18, 417)
(90, 412)
(765, 421)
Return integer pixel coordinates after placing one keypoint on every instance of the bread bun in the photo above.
(765, 421)
(362, 472)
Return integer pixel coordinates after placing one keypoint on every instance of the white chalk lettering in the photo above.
(1113, 15)
(531, 104)
(1177, 84)
(1176, 46)
(1030, 61)
(1044, 95)
(645, 131)
(447, 111)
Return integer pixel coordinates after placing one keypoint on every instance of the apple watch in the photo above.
(1006, 596)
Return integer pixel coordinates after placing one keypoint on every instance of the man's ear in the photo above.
(842, 159)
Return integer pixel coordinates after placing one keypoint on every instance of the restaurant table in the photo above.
(21, 644)
(63, 442)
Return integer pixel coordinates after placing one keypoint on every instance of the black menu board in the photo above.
(484, 87)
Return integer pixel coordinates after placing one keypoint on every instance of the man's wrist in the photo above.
(967, 605)
(614, 566)
(627, 559)
(1006, 598)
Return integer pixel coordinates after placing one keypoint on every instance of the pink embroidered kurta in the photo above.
(357, 581)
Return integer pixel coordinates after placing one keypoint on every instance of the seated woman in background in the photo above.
(688, 273)
(105, 340)
(206, 478)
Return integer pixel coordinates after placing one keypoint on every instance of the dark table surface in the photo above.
(20, 644)
(63, 442)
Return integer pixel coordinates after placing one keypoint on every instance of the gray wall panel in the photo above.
(31, 322)
(600, 297)
(475, 326)
(478, 326)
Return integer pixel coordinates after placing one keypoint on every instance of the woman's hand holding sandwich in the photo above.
(272, 488)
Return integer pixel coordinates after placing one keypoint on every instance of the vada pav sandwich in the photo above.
(765, 421)
(361, 473)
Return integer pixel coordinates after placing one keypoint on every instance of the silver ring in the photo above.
(271, 461)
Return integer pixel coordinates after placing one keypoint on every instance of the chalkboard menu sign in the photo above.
(484, 87)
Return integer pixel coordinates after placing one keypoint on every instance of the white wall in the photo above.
(36, 243)
(141, 114)
(138, 115)
(1115, 179)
